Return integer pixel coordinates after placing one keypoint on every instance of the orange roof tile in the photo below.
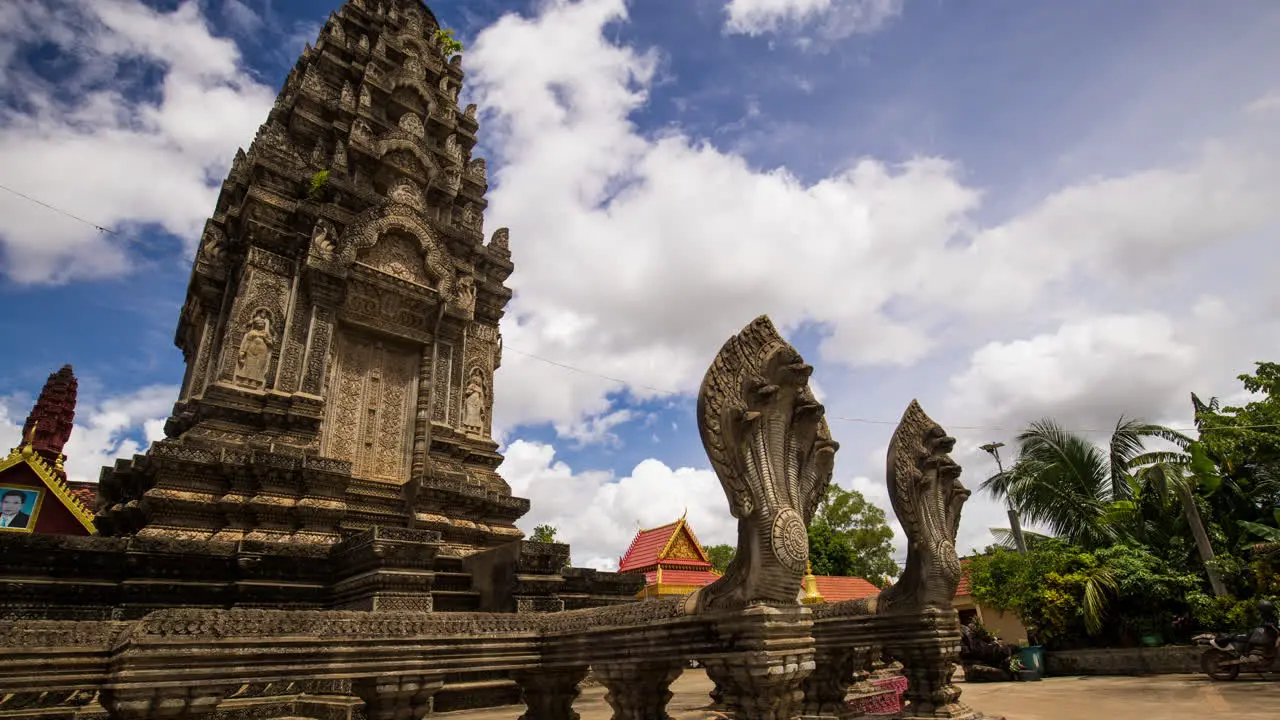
(696, 578)
(645, 547)
(962, 590)
(649, 547)
(838, 589)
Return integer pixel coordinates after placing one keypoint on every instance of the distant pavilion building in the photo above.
(673, 562)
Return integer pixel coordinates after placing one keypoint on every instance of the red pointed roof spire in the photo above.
(48, 427)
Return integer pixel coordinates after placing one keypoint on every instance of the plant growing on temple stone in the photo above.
(543, 534)
(850, 537)
(318, 182)
(449, 45)
(720, 556)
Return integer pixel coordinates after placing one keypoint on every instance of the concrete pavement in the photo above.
(1162, 697)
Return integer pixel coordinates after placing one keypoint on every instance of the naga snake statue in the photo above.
(768, 441)
(770, 446)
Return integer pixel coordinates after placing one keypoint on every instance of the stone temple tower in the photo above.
(340, 330)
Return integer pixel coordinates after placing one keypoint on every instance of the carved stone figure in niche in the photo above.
(256, 349)
(412, 124)
(323, 240)
(501, 240)
(413, 68)
(473, 403)
(318, 154)
(360, 130)
(348, 98)
(407, 192)
(339, 160)
(465, 294)
(364, 43)
(452, 179)
(451, 147)
(366, 100)
(213, 240)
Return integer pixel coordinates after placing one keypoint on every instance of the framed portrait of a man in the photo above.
(19, 507)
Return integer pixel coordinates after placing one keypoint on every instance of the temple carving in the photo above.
(341, 322)
(322, 533)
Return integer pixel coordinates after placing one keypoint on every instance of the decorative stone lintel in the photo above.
(638, 690)
(549, 693)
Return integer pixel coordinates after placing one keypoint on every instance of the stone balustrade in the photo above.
(768, 662)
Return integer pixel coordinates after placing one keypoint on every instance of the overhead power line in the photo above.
(572, 368)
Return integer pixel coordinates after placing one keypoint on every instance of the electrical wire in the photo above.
(102, 229)
(660, 391)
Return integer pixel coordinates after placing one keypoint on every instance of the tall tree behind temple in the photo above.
(850, 537)
(1244, 443)
(721, 556)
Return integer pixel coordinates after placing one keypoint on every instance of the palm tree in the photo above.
(1181, 475)
(1070, 486)
(1092, 499)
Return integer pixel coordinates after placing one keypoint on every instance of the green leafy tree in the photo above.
(544, 534)
(1056, 590)
(720, 556)
(850, 537)
(1243, 443)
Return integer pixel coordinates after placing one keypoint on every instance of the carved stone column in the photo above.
(834, 673)
(759, 677)
(928, 662)
(397, 697)
(318, 344)
(148, 702)
(549, 694)
(638, 690)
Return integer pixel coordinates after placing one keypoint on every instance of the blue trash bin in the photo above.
(1032, 662)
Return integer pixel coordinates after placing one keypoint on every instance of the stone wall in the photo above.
(1125, 661)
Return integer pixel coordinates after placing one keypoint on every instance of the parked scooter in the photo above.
(1227, 655)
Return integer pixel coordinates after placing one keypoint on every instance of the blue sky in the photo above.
(1009, 211)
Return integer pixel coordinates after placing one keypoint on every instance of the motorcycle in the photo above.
(1226, 655)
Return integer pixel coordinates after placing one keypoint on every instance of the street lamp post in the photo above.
(1015, 526)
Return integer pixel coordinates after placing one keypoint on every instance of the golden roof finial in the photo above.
(811, 594)
(29, 448)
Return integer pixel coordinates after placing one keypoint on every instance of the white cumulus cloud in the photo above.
(105, 428)
(838, 18)
(103, 143)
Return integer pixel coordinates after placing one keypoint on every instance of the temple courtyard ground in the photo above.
(1162, 697)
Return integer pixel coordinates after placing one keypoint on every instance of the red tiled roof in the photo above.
(646, 547)
(962, 590)
(696, 578)
(838, 589)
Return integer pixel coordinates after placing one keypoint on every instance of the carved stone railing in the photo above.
(770, 657)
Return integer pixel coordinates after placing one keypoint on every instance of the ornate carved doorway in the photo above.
(371, 399)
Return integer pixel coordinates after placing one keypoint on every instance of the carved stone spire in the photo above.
(48, 427)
